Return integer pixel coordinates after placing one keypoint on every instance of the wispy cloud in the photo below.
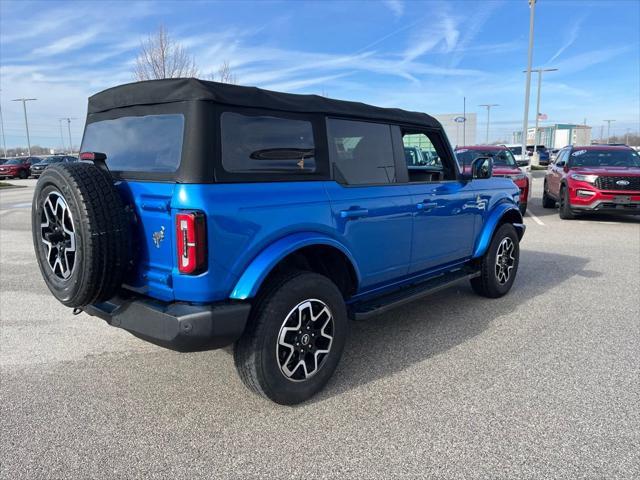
(396, 7)
(472, 28)
(297, 84)
(589, 59)
(66, 44)
(570, 37)
(444, 31)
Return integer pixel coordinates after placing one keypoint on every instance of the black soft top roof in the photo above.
(153, 92)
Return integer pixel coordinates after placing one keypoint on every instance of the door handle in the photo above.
(354, 213)
(426, 205)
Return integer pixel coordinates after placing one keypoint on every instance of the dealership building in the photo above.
(556, 136)
(459, 132)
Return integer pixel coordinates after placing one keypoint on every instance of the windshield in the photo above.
(516, 150)
(502, 158)
(604, 158)
(14, 161)
(52, 159)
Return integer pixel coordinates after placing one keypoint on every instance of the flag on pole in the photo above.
(542, 116)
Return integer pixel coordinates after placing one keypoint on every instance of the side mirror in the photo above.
(482, 167)
(560, 164)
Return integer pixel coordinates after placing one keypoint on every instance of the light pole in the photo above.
(458, 121)
(4, 142)
(464, 125)
(532, 13)
(26, 122)
(64, 148)
(535, 135)
(608, 128)
(488, 107)
(68, 119)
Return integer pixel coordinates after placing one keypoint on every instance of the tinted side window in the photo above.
(266, 144)
(562, 156)
(151, 143)
(361, 152)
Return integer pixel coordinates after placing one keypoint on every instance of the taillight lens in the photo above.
(191, 238)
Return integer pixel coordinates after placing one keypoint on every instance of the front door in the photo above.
(554, 179)
(444, 223)
(447, 211)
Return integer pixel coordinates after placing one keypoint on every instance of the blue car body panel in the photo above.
(250, 281)
(390, 234)
(375, 224)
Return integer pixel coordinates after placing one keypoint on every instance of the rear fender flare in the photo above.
(260, 267)
(490, 225)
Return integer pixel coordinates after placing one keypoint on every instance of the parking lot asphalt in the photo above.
(544, 382)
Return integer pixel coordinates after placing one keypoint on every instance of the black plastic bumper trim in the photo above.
(177, 326)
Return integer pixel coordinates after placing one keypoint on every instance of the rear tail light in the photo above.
(191, 238)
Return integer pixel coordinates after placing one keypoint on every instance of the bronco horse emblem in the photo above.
(158, 237)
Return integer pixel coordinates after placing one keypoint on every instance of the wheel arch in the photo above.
(501, 214)
(301, 251)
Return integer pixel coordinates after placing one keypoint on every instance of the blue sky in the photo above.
(418, 55)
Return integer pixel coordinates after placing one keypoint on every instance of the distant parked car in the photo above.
(594, 178)
(504, 165)
(521, 160)
(16, 167)
(543, 154)
(38, 168)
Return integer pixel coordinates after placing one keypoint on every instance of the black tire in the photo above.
(488, 284)
(547, 201)
(523, 208)
(565, 211)
(97, 222)
(23, 174)
(257, 353)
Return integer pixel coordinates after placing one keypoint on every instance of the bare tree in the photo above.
(225, 75)
(161, 57)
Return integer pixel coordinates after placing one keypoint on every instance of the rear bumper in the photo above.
(177, 326)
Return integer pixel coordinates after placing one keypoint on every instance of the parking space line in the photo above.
(535, 219)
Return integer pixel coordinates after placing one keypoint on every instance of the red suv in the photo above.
(504, 165)
(596, 178)
(16, 167)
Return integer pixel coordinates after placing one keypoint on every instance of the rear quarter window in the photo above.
(266, 144)
(151, 143)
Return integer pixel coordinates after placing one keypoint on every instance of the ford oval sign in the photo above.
(622, 183)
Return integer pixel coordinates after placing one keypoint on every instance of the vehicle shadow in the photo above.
(390, 343)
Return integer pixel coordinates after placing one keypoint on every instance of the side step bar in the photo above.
(369, 308)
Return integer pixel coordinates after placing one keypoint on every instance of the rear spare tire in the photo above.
(81, 233)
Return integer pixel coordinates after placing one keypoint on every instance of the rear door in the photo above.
(370, 207)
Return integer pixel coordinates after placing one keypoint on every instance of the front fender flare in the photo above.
(490, 225)
(251, 280)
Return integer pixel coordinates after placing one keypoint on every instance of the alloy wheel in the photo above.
(505, 260)
(57, 233)
(305, 340)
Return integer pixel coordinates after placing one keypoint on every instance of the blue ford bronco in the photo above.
(204, 215)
